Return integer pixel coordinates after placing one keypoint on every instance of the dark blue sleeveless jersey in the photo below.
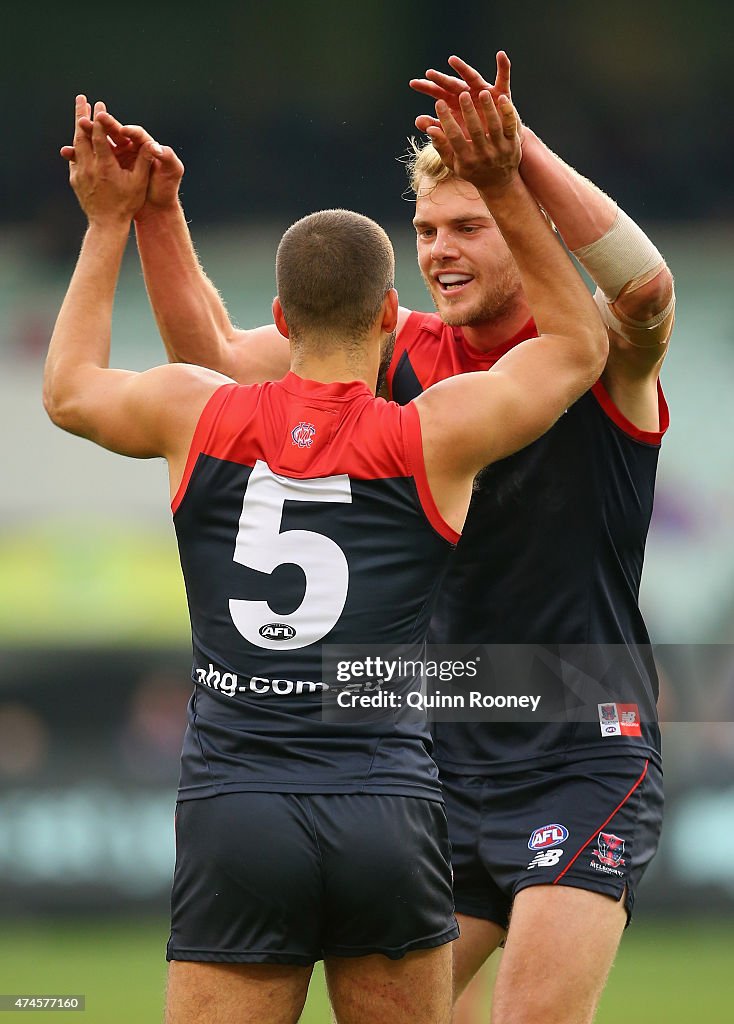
(550, 561)
(303, 518)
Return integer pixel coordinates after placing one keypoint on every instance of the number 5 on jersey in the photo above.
(260, 545)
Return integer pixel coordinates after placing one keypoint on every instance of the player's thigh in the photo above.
(560, 946)
(478, 939)
(209, 993)
(473, 1005)
(376, 990)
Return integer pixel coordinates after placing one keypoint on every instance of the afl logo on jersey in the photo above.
(302, 434)
(547, 836)
(277, 631)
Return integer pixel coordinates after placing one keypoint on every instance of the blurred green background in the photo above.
(278, 110)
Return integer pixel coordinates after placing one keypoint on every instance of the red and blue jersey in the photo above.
(303, 518)
(551, 554)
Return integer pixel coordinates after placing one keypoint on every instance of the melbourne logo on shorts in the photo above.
(303, 433)
(546, 836)
(277, 631)
(609, 854)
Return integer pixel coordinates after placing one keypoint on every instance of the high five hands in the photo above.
(449, 88)
(125, 143)
(476, 131)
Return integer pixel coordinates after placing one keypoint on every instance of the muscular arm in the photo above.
(641, 311)
(642, 307)
(138, 414)
(191, 316)
(472, 419)
(476, 418)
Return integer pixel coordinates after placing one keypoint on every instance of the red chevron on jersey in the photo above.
(428, 350)
(306, 429)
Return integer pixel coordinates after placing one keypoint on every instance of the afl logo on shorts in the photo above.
(546, 836)
(277, 631)
(302, 434)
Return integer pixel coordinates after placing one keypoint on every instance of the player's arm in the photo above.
(634, 293)
(473, 419)
(634, 286)
(138, 414)
(191, 315)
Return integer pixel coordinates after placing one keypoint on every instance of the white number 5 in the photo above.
(260, 545)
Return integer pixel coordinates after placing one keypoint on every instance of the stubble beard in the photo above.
(495, 305)
(388, 348)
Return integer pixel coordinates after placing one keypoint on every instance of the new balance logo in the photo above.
(545, 859)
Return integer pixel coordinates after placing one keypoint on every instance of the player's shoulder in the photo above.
(412, 325)
(182, 380)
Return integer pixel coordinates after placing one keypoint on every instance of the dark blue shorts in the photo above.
(280, 878)
(592, 824)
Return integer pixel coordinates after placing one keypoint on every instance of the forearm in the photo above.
(614, 251)
(555, 291)
(191, 316)
(81, 336)
(581, 212)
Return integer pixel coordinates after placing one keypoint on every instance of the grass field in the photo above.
(670, 972)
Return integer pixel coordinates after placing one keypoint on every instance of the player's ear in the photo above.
(390, 311)
(279, 318)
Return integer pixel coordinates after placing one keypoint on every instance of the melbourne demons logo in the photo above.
(302, 434)
(610, 850)
(607, 713)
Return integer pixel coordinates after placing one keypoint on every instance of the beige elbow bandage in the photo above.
(623, 256)
(640, 334)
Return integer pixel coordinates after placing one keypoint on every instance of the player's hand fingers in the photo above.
(470, 75)
(67, 153)
(450, 127)
(447, 82)
(112, 127)
(136, 134)
(168, 158)
(143, 160)
(424, 121)
(502, 81)
(422, 85)
(100, 143)
(81, 112)
(442, 146)
(99, 107)
(508, 117)
(480, 120)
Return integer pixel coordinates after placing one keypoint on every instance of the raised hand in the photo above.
(485, 148)
(448, 88)
(125, 141)
(106, 190)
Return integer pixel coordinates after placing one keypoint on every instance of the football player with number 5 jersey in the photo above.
(308, 512)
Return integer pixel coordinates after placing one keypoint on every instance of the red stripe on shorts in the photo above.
(600, 827)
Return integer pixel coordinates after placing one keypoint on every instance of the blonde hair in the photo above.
(424, 162)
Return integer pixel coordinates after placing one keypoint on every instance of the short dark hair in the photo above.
(333, 270)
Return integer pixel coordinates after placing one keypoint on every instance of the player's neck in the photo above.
(341, 367)
(492, 333)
